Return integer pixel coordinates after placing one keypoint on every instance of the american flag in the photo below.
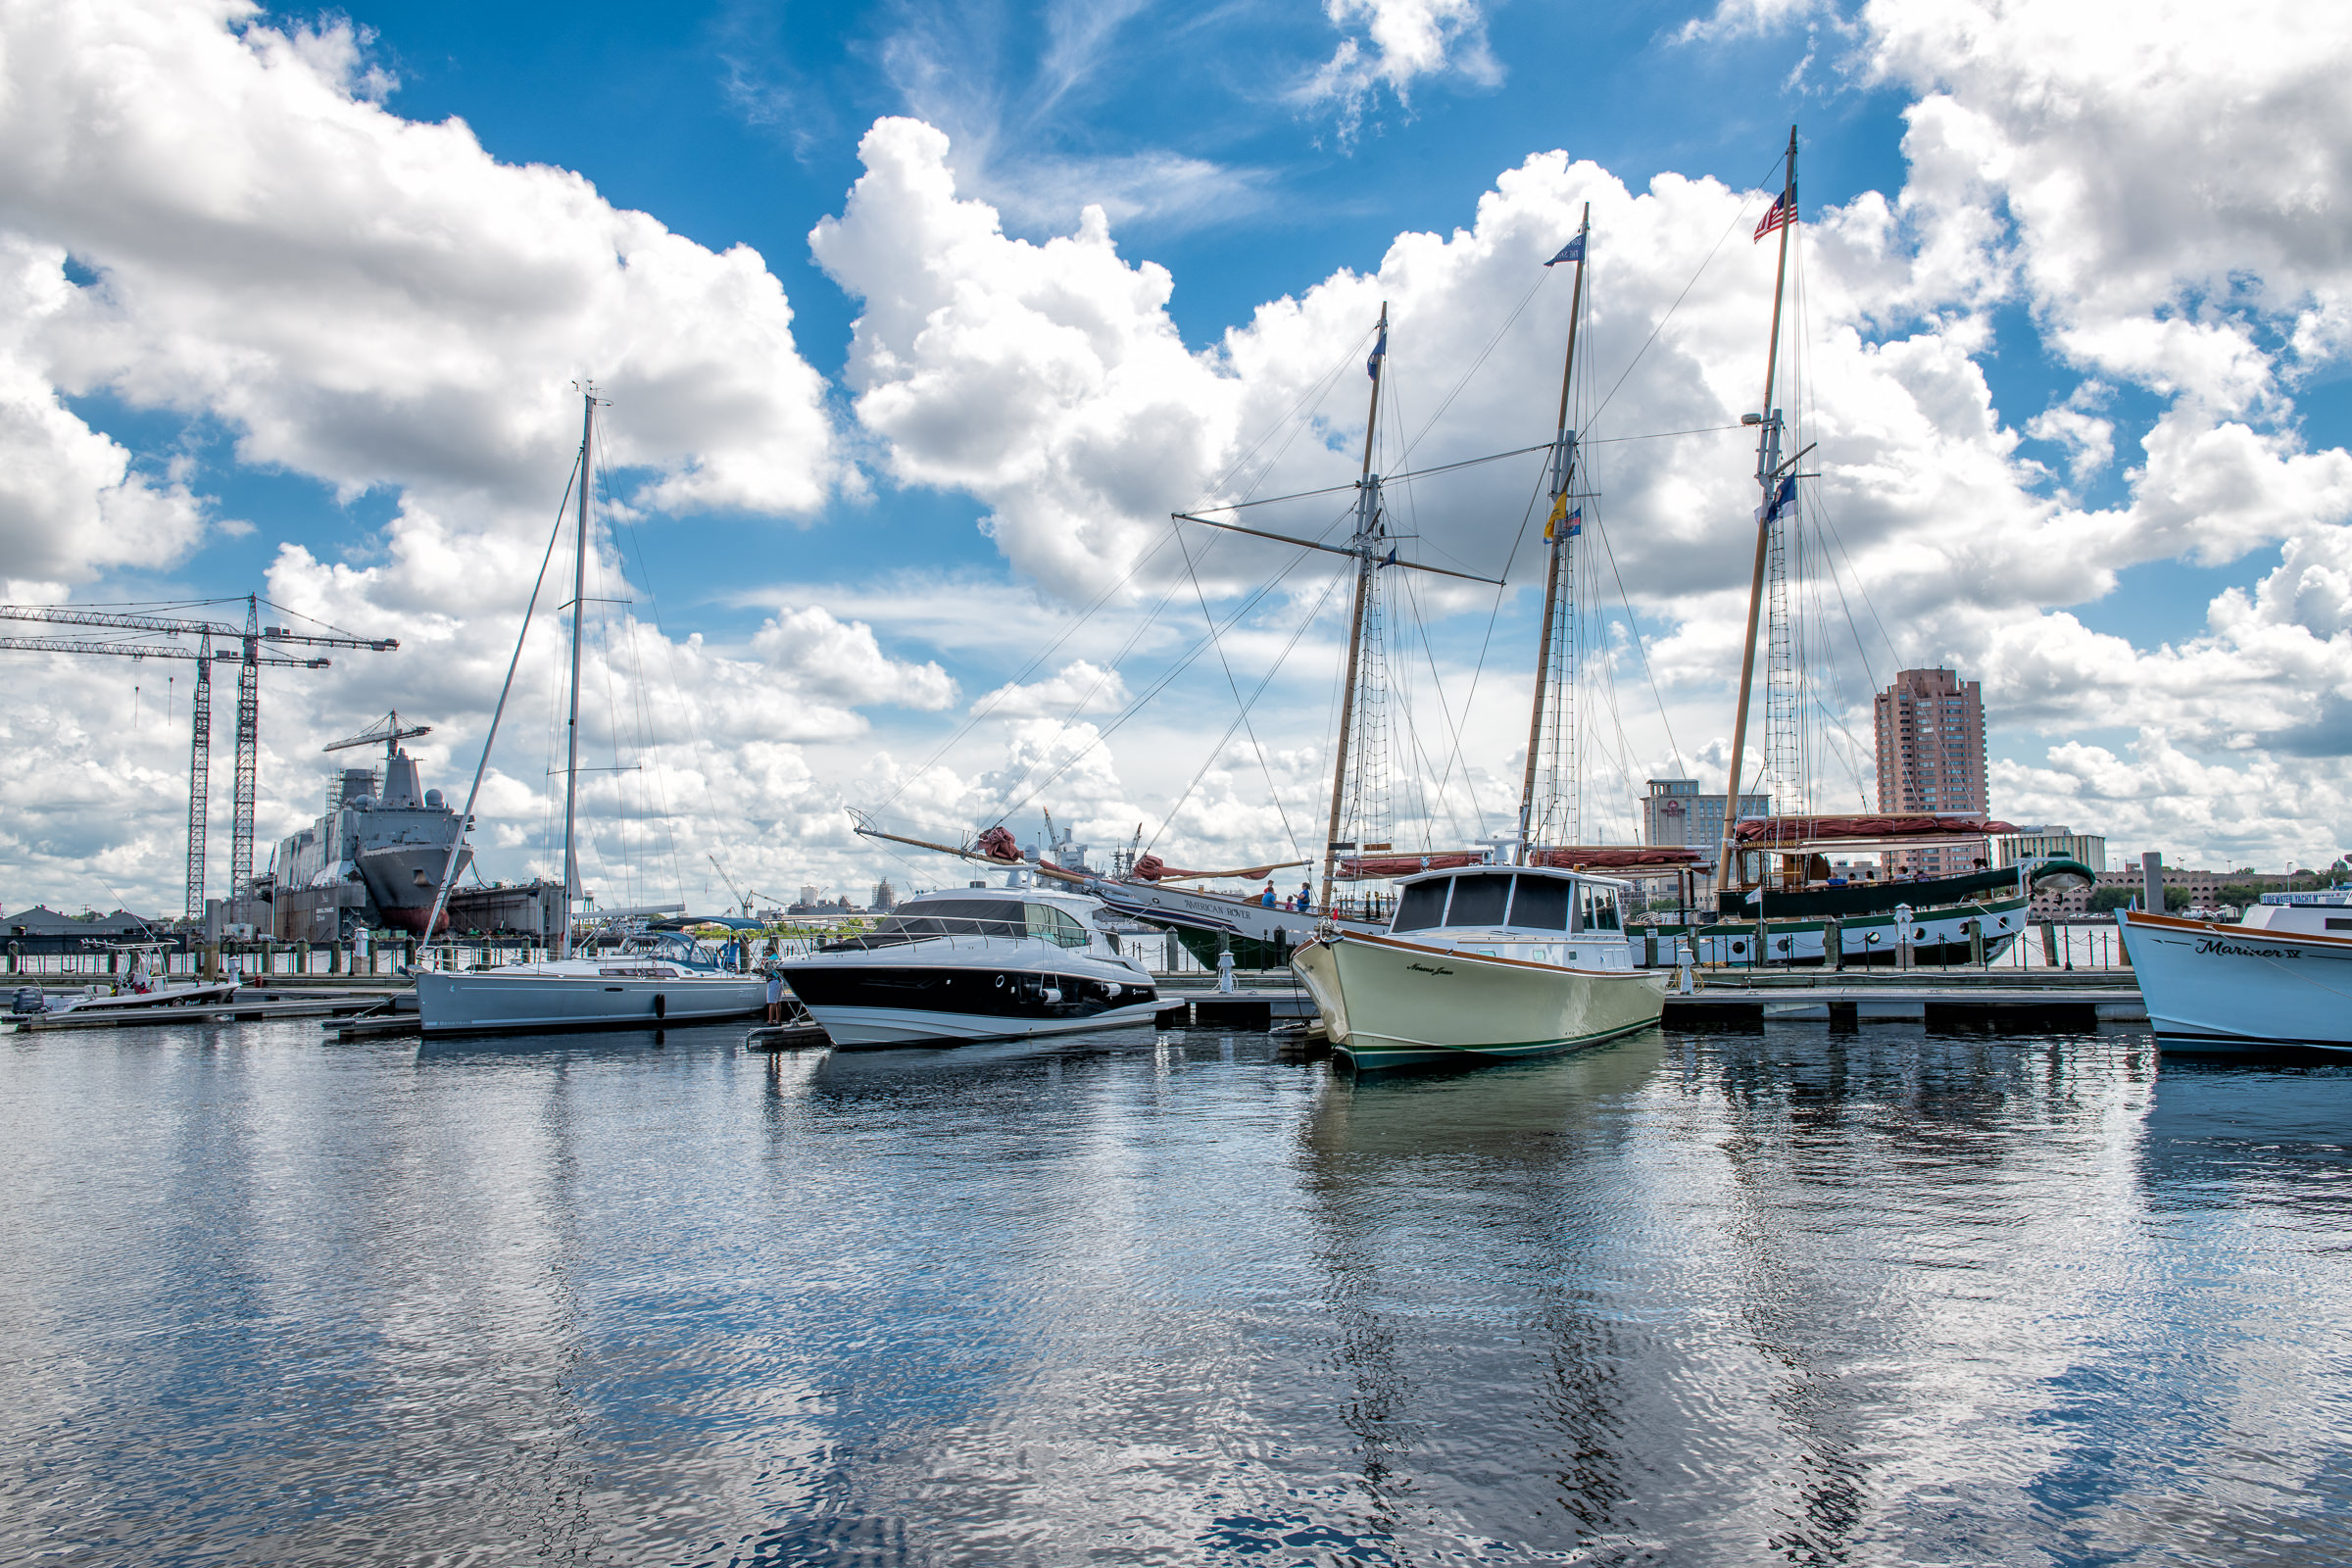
(1783, 208)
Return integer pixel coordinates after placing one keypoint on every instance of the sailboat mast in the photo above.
(1768, 446)
(1563, 464)
(1367, 517)
(571, 723)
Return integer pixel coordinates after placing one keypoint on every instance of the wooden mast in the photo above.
(1563, 464)
(1768, 447)
(1367, 519)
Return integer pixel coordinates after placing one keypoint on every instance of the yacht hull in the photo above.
(488, 1001)
(2233, 987)
(1386, 1002)
(915, 1026)
(862, 1003)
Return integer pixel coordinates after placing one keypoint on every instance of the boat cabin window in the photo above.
(1600, 907)
(1478, 901)
(943, 917)
(1058, 927)
(1542, 903)
(1422, 905)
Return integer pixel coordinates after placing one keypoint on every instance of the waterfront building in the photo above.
(1929, 729)
(2204, 888)
(1676, 813)
(43, 930)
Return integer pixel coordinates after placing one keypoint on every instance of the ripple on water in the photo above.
(1798, 1296)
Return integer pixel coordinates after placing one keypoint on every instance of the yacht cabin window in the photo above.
(1480, 901)
(1532, 903)
(1422, 905)
(1542, 903)
(1058, 927)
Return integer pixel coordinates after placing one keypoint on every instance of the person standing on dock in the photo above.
(776, 997)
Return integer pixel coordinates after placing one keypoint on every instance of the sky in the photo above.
(915, 324)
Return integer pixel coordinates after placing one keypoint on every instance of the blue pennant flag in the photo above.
(1573, 250)
(1392, 557)
(1781, 499)
(1379, 351)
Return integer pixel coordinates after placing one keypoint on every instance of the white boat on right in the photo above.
(2282, 976)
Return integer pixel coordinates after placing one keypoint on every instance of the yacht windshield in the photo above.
(1479, 900)
(1422, 905)
(1542, 903)
(1058, 926)
(943, 917)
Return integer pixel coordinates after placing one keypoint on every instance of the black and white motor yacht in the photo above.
(975, 964)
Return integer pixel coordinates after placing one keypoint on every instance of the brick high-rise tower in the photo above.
(1930, 735)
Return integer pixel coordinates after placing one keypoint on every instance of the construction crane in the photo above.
(387, 732)
(744, 898)
(246, 653)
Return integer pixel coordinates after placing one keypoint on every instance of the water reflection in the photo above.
(1873, 1297)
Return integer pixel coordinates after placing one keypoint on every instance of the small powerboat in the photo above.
(976, 965)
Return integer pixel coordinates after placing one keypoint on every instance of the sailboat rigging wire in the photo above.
(1312, 615)
(1739, 218)
(1493, 614)
(982, 710)
(1315, 394)
(1407, 475)
(1634, 628)
(1454, 731)
(466, 817)
(1134, 635)
(1150, 692)
(656, 777)
(1406, 450)
(1272, 793)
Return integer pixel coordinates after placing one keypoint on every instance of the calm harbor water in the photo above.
(1778, 1297)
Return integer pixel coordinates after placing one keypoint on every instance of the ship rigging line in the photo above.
(1165, 679)
(1259, 752)
(1265, 681)
(466, 817)
(1313, 394)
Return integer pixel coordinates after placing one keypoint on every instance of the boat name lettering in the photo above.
(1424, 968)
(2232, 951)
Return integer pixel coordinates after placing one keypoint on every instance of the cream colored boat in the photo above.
(1483, 963)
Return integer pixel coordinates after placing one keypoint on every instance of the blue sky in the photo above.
(738, 123)
(343, 377)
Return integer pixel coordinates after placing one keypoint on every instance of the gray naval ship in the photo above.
(376, 858)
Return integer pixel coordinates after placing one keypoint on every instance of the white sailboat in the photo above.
(649, 982)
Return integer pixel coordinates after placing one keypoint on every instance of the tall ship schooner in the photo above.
(1776, 900)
